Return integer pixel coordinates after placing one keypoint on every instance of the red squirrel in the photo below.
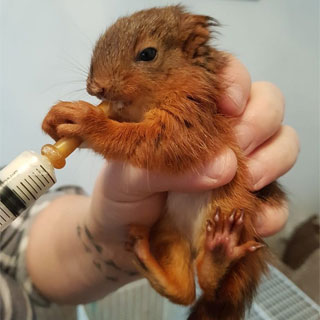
(163, 81)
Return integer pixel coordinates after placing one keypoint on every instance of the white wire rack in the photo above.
(277, 299)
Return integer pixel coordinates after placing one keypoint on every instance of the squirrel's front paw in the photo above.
(72, 119)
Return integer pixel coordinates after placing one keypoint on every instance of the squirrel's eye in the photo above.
(147, 54)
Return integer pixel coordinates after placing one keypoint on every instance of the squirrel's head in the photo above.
(139, 53)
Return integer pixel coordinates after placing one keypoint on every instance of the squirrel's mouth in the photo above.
(119, 105)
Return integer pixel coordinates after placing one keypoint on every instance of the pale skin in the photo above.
(76, 250)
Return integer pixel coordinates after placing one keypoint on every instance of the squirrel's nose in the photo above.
(105, 90)
(96, 90)
(101, 94)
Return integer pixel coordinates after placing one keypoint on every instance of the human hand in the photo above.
(124, 194)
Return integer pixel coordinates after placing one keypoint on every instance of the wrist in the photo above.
(103, 228)
(65, 264)
(109, 219)
(106, 250)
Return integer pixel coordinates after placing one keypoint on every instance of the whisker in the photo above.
(62, 83)
(81, 32)
(78, 71)
(75, 64)
(74, 94)
(78, 90)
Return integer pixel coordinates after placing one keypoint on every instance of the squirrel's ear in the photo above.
(195, 32)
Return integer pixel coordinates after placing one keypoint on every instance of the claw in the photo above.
(256, 247)
(240, 219)
(209, 225)
(217, 215)
(223, 234)
(233, 213)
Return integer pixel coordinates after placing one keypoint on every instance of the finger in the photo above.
(219, 221)
(57, 115)
(271, 220)
(246, 248)
(128, 182)
(262, 116)
(238, 84)
(50, 131)
(69, 130)
(214, 174)
(237, 226)
(230, 221)
(49, 127)
(273, 158)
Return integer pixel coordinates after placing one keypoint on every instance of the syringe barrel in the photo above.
(22, 182)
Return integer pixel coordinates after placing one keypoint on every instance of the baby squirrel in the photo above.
(163, 81)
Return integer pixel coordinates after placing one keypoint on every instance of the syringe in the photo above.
(31, 175)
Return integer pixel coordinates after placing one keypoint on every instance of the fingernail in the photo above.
(235, 93)
(223, 167)
(245, 136)
(258, 185)
(256, 175)
(258, 222)
(216, 168)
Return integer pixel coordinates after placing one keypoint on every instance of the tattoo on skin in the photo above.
(111, 278)
(79, 233)
(132, 273)
(111, 263)
(102, 265)
(97, 265)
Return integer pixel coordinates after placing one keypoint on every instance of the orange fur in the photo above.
(168, 122)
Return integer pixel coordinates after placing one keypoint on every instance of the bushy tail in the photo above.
(237, 289)
(271, 195)
(235, 292)
(206, 310)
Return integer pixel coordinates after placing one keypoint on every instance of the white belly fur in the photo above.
(187, 211)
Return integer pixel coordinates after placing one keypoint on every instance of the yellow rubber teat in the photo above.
(58, 152)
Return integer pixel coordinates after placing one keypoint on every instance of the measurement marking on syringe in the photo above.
(31, 185)
(18, 196)
(35, 182)
(23, 193)
(4, 212)
(3, 218)
(31, 194)
(47, 173)
(43, 175)
(40, 180)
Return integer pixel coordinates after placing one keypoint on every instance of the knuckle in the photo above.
(272, 219)
(292, 135)
(231, 166)
(272, 93)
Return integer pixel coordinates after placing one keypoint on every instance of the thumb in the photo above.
(123, 182)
